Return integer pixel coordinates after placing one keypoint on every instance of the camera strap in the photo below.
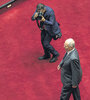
(40, 26)
(37, 23)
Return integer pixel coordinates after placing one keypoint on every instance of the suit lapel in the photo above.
(68, 55)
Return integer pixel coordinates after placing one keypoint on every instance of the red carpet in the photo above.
(3, 2)
(22, 75)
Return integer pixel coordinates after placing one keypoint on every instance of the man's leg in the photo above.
(46, 52)
(66, 93)
(43, 35)
(76, 93)
(48, 47)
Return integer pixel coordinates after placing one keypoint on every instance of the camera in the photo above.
(39, 17)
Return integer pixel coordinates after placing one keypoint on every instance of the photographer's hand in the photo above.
(43, 19)
(36, 15)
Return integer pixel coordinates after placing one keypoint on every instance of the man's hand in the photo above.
(56, 36)
(58, 67)
(74, 86)
(36, 15)
(43, 19)
(41, 29)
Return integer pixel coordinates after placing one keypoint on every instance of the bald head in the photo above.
(69, 44)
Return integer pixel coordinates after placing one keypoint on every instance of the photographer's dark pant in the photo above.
(45, 40)
(66, 93)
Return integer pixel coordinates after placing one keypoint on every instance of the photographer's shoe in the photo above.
(54, 58)
(44, 57)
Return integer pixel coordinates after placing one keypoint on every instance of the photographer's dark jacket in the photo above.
(71, 72)
(50, 23)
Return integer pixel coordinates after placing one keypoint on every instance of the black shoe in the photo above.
(44, 57)
(54, 58)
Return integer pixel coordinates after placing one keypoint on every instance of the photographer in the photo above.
(49, 27)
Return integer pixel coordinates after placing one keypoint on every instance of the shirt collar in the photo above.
(70, 51)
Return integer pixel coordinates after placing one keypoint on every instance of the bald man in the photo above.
(71, 72)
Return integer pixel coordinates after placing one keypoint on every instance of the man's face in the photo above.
(66, 47)
(41, 10)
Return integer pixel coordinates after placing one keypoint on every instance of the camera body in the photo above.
(40, 14)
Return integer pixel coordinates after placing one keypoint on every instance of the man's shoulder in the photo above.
(48, 9)
(74, 55)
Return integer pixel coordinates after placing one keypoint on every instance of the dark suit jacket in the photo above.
(50, 23)
(71, 72)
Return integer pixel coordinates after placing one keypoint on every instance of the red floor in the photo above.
(22, 75)
(3, 2)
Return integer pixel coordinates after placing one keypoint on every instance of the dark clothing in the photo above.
(45, 40)
(71, 72)
(66, 93)
(50, 23)
(50, 30)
